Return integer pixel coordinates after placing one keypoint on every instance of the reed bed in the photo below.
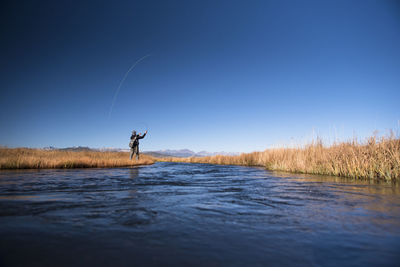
(26, 158)
(376, 158)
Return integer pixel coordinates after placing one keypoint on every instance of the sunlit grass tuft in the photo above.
(376, 158)
(26, 158)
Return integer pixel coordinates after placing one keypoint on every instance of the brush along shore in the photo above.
(376, 158)
(27, 158)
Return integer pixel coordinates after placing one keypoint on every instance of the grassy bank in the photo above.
(373, 159)
(25, 158)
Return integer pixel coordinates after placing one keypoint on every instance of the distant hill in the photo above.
(77, 148)
(184, 153)
(85, 148)
(74, 148)
(155, 154)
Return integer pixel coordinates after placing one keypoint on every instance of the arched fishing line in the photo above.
(122, 81)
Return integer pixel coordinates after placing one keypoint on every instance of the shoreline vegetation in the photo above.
(376, 158)
(29, 158)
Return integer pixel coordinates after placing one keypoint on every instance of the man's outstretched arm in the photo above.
(142, 136)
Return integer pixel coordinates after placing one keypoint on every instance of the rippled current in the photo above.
(195, 214)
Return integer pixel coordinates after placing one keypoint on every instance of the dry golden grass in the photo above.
(25, 158)
(377, 158)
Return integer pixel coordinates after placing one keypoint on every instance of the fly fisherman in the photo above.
(134, 143)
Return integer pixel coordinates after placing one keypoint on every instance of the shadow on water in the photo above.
(196, 214)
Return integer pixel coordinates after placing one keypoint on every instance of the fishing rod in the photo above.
(141, 124)
(140, 128)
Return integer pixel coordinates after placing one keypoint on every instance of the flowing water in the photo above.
(195, 214)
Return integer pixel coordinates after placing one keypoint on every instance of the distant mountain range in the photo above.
(182, 153)
(86, 148)
(74, 148)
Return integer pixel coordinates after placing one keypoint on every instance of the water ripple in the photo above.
(196, 214)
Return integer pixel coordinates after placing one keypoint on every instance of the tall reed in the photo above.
(26, 158)
(376, 158)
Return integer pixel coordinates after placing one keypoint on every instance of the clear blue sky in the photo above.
(222, 75)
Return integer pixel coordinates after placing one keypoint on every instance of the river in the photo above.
(197, 215)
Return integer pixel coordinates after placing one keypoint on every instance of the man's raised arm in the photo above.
(142, 136)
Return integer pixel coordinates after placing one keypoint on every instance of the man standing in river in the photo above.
(134, 143)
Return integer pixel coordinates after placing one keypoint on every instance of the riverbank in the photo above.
(27, 158)
(376, 158)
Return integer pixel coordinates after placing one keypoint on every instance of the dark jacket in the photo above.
(136, 141)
